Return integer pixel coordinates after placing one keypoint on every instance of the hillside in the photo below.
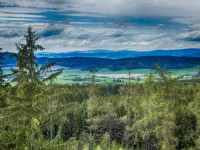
(146, 62)
(91, 63)
(192, 52)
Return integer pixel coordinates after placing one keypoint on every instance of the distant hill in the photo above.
(192, 52)
(92, 63)
(144, 62)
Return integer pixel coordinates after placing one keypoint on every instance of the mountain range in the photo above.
(191, 52)
(117, 60)
(143, 62)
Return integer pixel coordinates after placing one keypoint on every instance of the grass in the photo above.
(184, 71)
(136, 71)
(69, 75)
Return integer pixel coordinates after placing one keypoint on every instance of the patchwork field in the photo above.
(103, 76)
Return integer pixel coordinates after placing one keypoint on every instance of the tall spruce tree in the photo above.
(92, 95)
(3, 85)
(26, 100)
(28, 70)
(168, 125)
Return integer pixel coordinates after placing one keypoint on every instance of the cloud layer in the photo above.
(67, 25)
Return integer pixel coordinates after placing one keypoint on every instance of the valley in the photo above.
(106, 76)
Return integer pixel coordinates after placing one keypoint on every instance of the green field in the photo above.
(6, 71)
(136, 71)
(184, 71)
(68, 76)
(72, 76)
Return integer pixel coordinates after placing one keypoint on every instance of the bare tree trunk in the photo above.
(146, 140)
(128, 140)
(110, 130)
(128, 109)
(90, 131)
(84, 137)
(51, 128)
(168, 130)
(31, 136)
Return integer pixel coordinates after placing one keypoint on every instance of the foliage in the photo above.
(161, 113)
(3, 84)
(24, 110)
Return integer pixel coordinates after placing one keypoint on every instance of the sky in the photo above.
(76, 25)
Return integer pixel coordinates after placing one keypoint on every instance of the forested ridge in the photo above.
(155, 115)
(92, 63)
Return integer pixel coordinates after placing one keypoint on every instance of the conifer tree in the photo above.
(91, 107)
(92, 95)
(26, 100)
(168, 123)
(3, 85)
(128, 110)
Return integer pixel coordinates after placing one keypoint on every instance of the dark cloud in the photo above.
(50, 32)
(55, 28)
(122, 24)
(55, 4)
(117, 24)
(10, 34)
(117, 34)
(191, 36)
(84, 36)
(7, 4)
(193, 39)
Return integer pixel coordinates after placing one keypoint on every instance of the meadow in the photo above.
(105, 76)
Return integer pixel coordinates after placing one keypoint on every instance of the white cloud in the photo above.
(141, 7)
(119, 7)
(133, 39)
(79, 38)
(84, 15)
(58, 35)
(22, 10)
(17, 19)
(190, 36)
(19, 15)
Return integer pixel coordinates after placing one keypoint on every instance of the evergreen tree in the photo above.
(28, 70)
(167, 128)
(92, 95)
(3, 85)
(128, 103)
(27, 99)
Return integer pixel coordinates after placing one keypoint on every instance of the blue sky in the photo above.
(68, 25)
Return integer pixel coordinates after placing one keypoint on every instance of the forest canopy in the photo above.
(157, 114)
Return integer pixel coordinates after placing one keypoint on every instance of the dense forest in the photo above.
(92, 63)
(36, 113)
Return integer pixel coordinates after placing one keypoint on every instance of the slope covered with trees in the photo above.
(155, 115)
(91, 63)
